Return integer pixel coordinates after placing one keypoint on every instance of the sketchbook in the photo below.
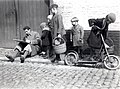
(19, 40)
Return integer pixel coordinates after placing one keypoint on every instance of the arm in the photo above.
(36, 40)
(81, 33)
(60, 24)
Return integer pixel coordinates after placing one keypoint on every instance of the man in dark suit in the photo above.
(57, 26)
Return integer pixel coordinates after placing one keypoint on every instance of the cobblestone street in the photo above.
(48, 76)
(34, 74)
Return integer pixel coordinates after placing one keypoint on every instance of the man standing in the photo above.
(30, 46)
(57, 26)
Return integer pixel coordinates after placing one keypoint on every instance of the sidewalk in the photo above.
(35, 59)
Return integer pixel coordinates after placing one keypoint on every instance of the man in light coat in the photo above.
(29, 47)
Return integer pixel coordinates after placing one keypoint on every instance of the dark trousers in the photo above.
(22, 46)
(78, 49)
(47, 49)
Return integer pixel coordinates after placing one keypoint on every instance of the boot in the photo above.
(80, 52)
(12, 57)
(22, 58)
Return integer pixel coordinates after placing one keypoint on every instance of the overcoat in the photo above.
(35, 44)
(46, 37)
(94, 40)
(57, 25)
(77, 35)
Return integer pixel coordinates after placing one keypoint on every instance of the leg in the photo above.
(92, 51)
(16, 53)
(80, 52)
(48, 52)
(27, 51)
(56, 59)
(22, 58)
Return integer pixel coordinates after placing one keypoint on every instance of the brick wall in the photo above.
(86, 9)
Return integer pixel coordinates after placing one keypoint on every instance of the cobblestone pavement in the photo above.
(44, 75)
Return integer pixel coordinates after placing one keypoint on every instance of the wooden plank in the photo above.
(8, 24)
(29, 12)
(32, 13)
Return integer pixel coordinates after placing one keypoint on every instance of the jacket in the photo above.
(57, 25)
(46, 37)
(77, 35)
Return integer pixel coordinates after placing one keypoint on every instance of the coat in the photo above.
(46, 37)
(57, 25)
(94, 39)
(77, 35)
(35, 44)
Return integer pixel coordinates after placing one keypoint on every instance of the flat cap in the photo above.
(111, 17)
(53, 6)
(26, 27)
(74, 19)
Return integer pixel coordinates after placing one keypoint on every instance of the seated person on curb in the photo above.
(46, 39)
(77, 36)
(30, 48)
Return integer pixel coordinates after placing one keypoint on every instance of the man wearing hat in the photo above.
(57, 26)
(77, 35)
(29, 47)
(99, 26)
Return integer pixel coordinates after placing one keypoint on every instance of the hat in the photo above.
(53, 6)
(111, 17)
(26, 27)
(74, 19)
(43, 24)
(49, 17)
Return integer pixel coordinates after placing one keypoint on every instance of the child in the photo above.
(46, 39)
(99, 26)
(77, 35)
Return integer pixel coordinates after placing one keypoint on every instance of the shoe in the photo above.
(22, 59)
(53, 60)
(46, 57)
(11, 59)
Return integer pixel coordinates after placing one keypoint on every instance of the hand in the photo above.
(81, 40)
(28, 41)
(59, 35)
